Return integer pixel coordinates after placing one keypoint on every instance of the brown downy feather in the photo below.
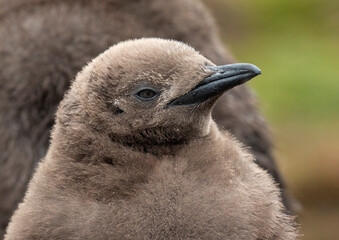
(90, 186)
(44, 43)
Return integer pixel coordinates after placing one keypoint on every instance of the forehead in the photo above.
(151, 54)
(151, 59)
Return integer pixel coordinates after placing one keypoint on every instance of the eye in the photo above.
(147, 94)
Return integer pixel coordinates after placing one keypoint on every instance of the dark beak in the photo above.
(224, 78)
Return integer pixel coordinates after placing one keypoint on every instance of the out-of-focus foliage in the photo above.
(296, 44)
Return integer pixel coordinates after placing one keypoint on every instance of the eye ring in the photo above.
(147, 94)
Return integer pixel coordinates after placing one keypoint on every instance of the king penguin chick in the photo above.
(135, 154)
(44, 43)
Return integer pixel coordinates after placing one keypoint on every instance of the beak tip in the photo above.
(255, 69)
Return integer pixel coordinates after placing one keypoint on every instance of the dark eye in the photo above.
(147, 94)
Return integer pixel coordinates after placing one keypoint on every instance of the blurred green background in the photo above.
(296, 44)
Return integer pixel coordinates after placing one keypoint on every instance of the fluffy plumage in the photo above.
(122, 168)
(44, 43)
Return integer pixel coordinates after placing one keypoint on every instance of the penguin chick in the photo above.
(135, 154)
(44, 43)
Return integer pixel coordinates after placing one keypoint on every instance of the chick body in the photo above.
(150, 170)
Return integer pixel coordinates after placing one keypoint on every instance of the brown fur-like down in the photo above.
(44, 43)
(122, 168)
